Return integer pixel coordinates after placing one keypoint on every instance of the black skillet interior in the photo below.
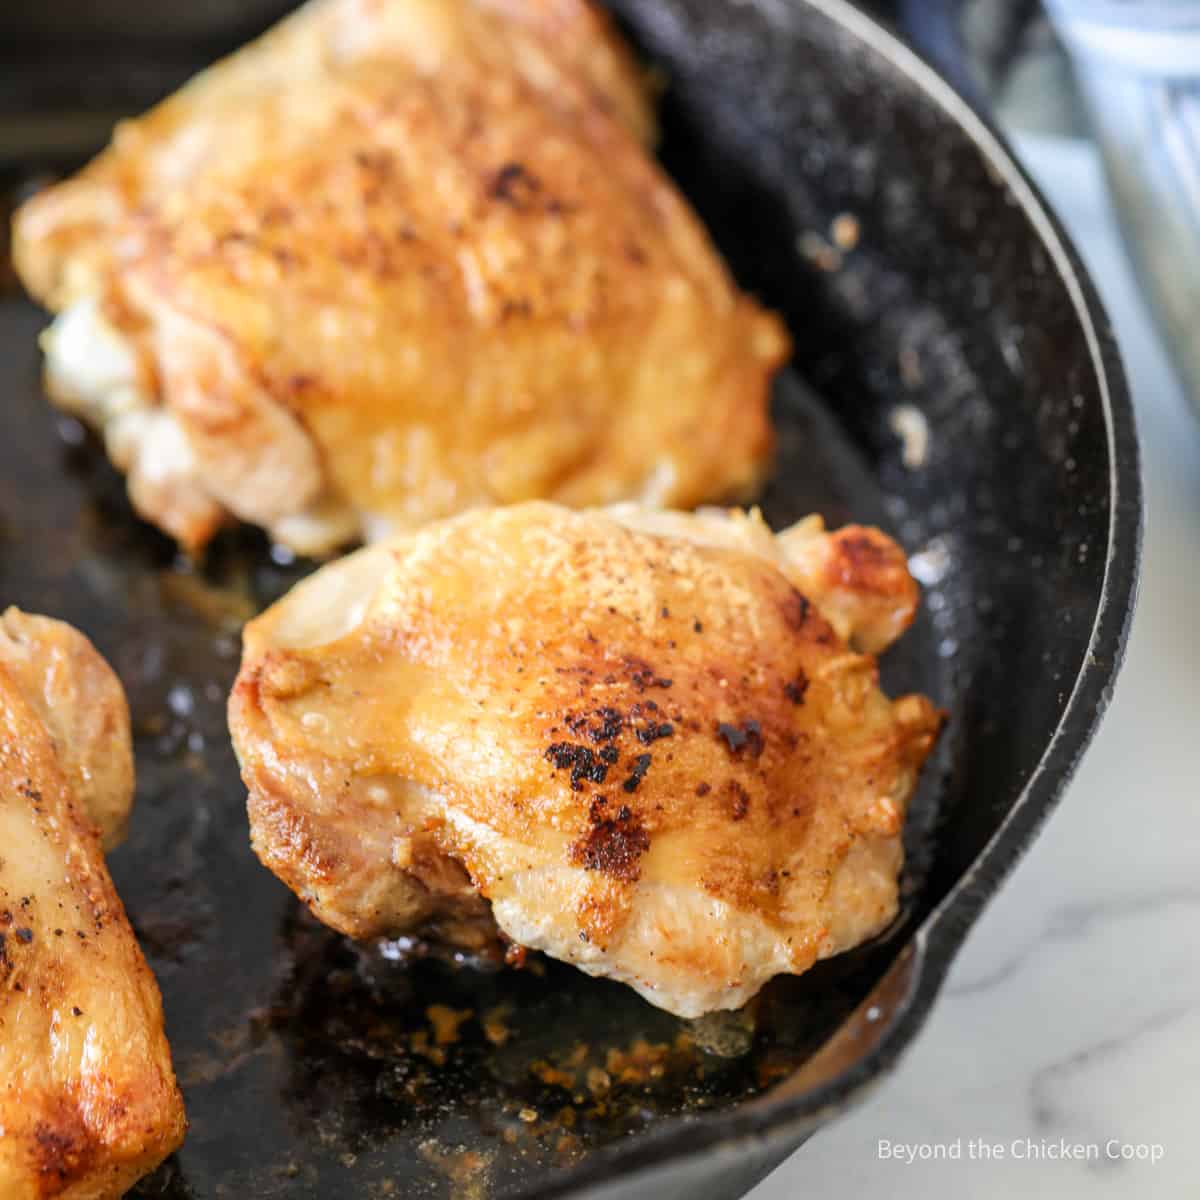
(961, 408)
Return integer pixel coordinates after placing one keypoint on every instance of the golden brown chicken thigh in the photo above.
(636, 741)
(396, 259)
(88, 1099)
(82, 704)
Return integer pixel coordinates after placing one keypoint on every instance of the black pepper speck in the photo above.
(641, 765)
(747, 736)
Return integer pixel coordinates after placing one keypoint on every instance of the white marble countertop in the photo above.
(1073, 1013)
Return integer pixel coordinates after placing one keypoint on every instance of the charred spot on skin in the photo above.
(515, 184)
(601, 725)
(746, 737)
(515, 308)
(796, 610)
(796, 689)
(583, 764)
(613, 845)
(62, 1147)
(643, 676)
(646, 679)
(25, 935)
(378, 169)
(641, 765)
(702, 789)
(649, 734)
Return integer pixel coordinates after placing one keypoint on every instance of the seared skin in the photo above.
(88, 1099)
(627, 731)
(396, 259)
(82, 705)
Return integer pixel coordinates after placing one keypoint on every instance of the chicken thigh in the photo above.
(396, 259)
(82, 705)
(640, 742)
(88, 1099)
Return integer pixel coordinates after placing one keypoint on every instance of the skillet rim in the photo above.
(933, 945)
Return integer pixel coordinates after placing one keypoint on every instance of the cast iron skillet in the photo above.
(972, 403)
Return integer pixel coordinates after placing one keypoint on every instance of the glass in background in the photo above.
(1138, 67)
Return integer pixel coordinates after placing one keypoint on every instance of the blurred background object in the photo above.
(1127, 72)
(1138, 66)
(1003, 55)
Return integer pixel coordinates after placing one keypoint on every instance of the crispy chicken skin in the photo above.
(396, 259)
(82, 705)
(88, 1099)
(642, 738)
